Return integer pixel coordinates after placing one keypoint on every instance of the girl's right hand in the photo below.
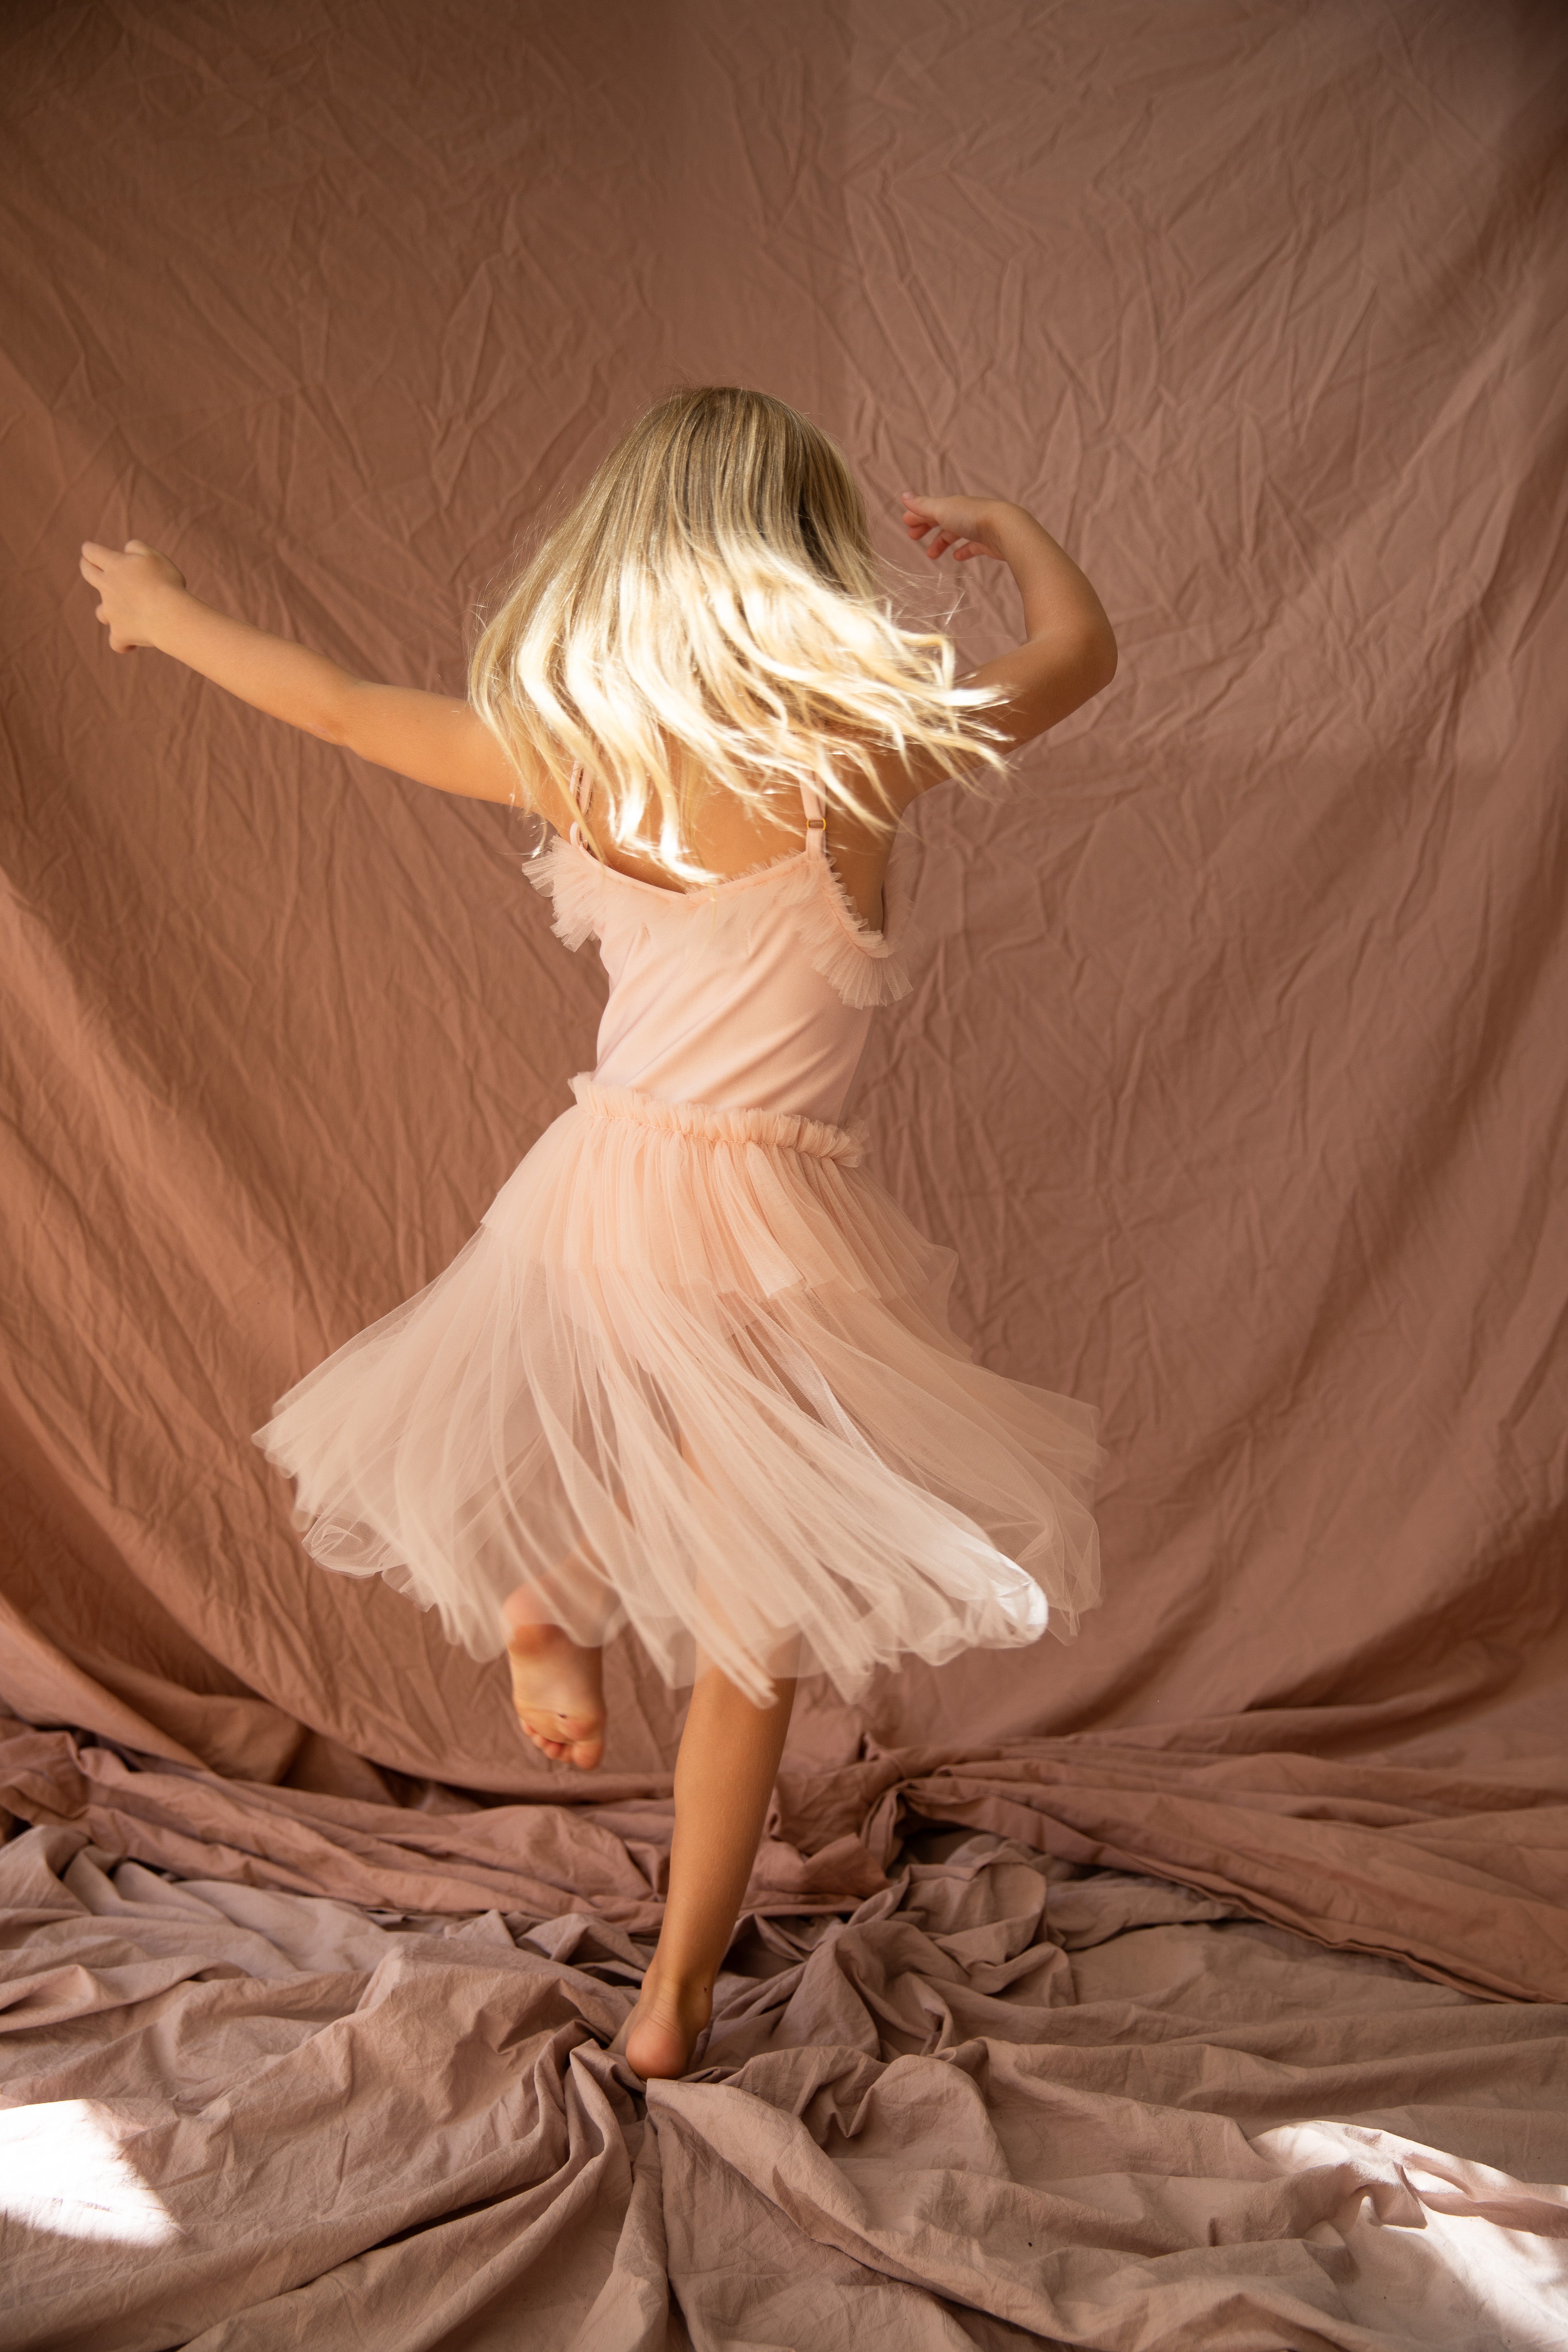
(131, 587)
(961, 526)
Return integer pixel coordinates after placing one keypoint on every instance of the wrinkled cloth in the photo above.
(1461, 1879)
(1231, 1070)
(1002, 2102)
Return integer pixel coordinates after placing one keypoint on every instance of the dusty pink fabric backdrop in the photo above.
(1237, 1075)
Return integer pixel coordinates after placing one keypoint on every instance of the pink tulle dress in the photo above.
(693, 1373)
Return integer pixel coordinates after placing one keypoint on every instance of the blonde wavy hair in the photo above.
(709, 616)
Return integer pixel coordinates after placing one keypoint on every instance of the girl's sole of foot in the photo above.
(558, 1691)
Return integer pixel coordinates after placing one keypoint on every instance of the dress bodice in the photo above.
(754, 993)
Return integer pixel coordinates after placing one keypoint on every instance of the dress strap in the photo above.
(815, 821)
(575, 793)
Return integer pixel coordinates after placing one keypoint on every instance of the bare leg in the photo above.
(557, 1688)
(729, 1759)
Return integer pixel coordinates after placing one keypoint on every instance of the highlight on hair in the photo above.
(709, 616)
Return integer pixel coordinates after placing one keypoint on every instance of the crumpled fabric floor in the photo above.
(1458, 1872)
(1005, 2101)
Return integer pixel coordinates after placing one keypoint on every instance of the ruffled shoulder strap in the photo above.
(575, 888)
(862, 966)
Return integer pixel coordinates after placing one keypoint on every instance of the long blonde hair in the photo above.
(709, 616)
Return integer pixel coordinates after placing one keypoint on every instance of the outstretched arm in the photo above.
(432, 738)
(1068, 652)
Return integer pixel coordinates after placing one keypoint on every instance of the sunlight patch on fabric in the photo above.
(62, 2168)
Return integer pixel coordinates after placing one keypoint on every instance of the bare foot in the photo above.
(661, 2032)
(558, 1690)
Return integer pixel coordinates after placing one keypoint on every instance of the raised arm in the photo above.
(432, 738)
(1068, 652)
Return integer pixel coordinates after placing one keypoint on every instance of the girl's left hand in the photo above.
(131, 587)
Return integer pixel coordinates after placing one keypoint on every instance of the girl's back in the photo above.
(754, 991)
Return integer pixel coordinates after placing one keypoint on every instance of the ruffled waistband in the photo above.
(702, 1123)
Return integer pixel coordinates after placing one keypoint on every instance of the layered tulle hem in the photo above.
(693, 1374)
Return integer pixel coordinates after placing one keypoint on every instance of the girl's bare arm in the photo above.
(432, 738)
(1068, 652)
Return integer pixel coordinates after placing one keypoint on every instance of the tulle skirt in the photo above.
(693, 1373)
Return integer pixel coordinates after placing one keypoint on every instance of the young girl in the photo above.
(693, 1373)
